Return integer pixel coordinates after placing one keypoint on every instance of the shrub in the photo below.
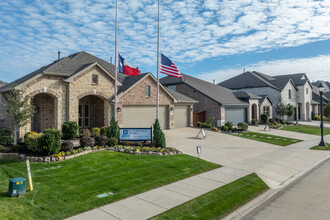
(254, 121)
(103, 131)
(87, 142)
(101, 140)
(158, 137)
(199, 124)
(229, 124)
(327, 110)
(112, 141)
(96, 132)
(113, 130)
(214, 129)
(70, 129)
(210, 120)
(225, 128)
(67, 146)
(243, 125)
(6, 136)
(313, 116)
(16, 148)
(31, 139)
(50, 141)
(264, 118)
(235, 129)
(138, 144)
(85, 133)
(222, 127)
(2, 148)
(206, 125)
(125, 143)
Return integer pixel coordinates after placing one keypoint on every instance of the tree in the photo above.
(19, 110)
(113, 130)
(280, 108)
(158, 138)
(327, 110)
(289, 110)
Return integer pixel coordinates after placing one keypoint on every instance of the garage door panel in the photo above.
(144, 116)
(181, 116)
(236, 115)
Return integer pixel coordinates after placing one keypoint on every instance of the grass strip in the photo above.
(66, 188)
(321, 148)
(267, 138)
(219, 202)
(306, 129)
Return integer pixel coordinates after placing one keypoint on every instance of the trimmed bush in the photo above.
(112, 142)
(125, 143)
(243, 125)
(235, 129)
(229, 124)
(264, 118)
(70, 129)
(159, 137)
(113, 130)
(50, 142)
(103, 131)
(254, 121)
(2, 148)
(199, 124)
(85, 133)
(327, 110)
(31, 139)
(6, 136)
(87, 142)
(214, 129)
(139, 144)
(101, 140)
(16, 148)
(96, 132)
(225, 128)
(67, 146)
(206, 125)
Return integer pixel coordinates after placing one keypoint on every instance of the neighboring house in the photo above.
(80, 88)
(294, 89)
(325, 84)
(2, 106)
(213, 100)
(316, 107)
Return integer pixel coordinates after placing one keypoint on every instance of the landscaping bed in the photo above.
(306, 129)
(66, 188)
(219, 202)
(271, 139)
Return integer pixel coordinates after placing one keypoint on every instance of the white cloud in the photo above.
(316, 68)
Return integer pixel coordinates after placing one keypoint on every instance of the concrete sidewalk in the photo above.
(240, 156)
(314, 123)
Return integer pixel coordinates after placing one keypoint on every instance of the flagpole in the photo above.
(157, 111)
(116, 69)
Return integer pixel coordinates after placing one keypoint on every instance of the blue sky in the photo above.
(210, 39)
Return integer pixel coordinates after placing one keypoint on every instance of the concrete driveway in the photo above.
(274, 164)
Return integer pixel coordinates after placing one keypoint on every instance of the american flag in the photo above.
(168, 67)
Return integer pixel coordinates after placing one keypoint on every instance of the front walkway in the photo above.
(240, 156)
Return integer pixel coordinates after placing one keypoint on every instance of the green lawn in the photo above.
(271, 139)
(306, 129)
(66, 188)
(219, 202)
(321, 148)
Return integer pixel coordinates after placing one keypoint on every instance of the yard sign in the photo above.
(135, 134)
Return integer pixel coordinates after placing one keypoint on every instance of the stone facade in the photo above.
(305, 99)
(266, 102)
(253, 110)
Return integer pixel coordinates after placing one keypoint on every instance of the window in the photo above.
(95, 79)
(289, 93)
(239, 90)
(147, 91)
(80, 115)
(266, 110)
(306, 90)
(173, 87)
(86, 119)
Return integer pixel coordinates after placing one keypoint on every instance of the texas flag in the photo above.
(126, 68)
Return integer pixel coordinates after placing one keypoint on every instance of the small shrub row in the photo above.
(6, 136)
(229, 127)
(48, 142)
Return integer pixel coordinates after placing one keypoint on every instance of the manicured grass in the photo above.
(271, 139)
(66, 188)
(321, 148)
(306, 129)
(219, 202)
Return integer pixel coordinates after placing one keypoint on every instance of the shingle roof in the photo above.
(180, 97)
(246, 95)
(263, 97)
(2, 83)
(219, 94)
(316, 96)
(324, 83)
(66, 67)
(130, 81)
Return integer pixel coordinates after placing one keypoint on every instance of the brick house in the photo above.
(80, 88)
(213, 100)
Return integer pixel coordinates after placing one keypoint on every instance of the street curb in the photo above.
(271, 194)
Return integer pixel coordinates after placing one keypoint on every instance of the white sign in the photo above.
(135, 134)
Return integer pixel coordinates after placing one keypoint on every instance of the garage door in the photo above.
(135, 116)
(236, 115)
(181, 116)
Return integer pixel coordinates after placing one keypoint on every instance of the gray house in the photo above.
(213, 100)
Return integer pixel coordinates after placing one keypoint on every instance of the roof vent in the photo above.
(58, 55)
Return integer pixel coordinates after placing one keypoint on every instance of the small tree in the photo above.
(264, 118)
(280, 108)
(19, 110)
(159, 137)
(113, 130)
(289, 110)
(327, 110)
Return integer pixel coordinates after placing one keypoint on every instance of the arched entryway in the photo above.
(254, 111)
(91, 112)
(46, 112)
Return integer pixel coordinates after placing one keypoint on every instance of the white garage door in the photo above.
(181, 116)
(235, 115)
(135, 116)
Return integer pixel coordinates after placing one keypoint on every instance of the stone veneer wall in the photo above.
(136, 96)
(266, 102)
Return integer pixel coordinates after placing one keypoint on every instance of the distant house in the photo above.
(2, 106)
(316, 99)
(213, 100)
(325, 84)
(294, 89)
(80, 88)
